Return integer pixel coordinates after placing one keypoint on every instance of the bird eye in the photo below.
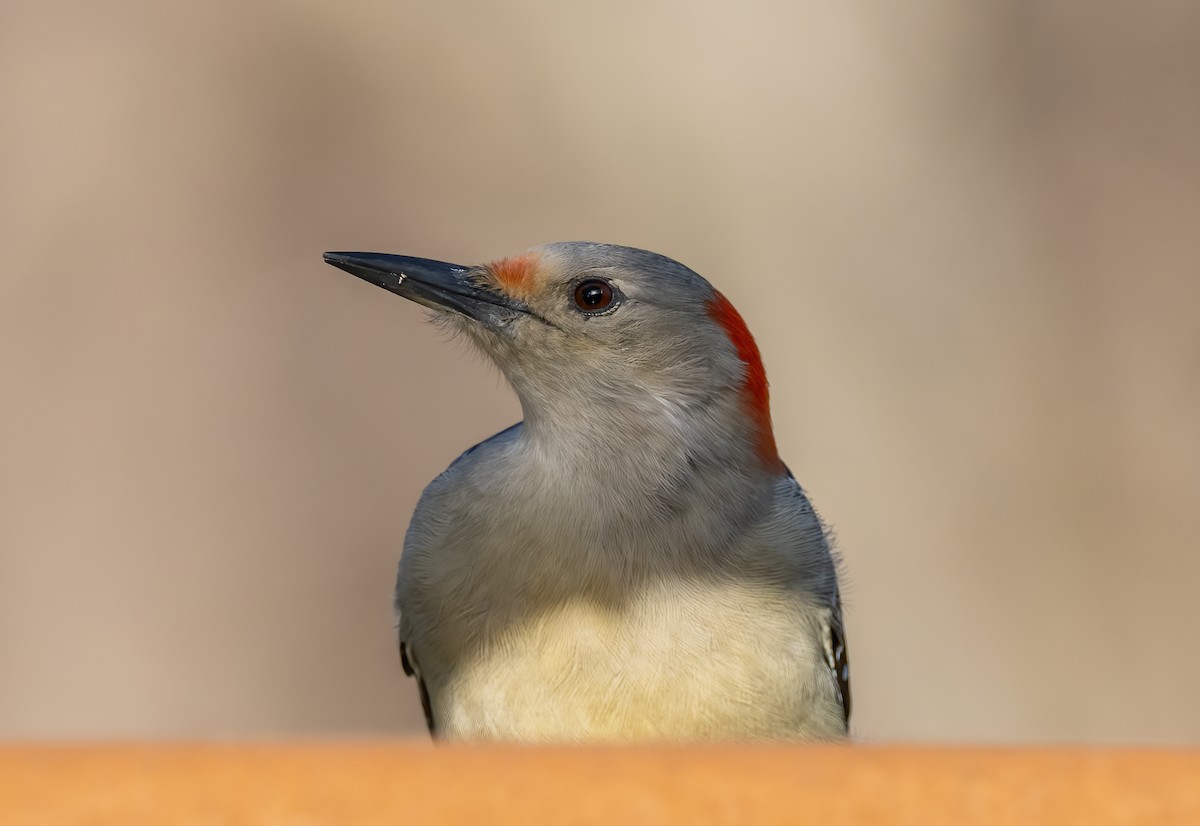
(593, 296)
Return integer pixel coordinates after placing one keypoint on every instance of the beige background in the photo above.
(966, 234)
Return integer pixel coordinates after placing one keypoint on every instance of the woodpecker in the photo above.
(632, 562)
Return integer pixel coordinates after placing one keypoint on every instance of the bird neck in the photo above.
(649, 453)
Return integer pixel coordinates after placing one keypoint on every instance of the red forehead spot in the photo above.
(755, 393)
(515, 273)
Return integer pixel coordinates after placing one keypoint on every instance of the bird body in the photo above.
(632, 562)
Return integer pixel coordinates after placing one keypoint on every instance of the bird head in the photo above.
(599, 336)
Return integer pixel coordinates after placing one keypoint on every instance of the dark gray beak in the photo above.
(434, 284)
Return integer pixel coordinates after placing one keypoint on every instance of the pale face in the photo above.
(604, 320)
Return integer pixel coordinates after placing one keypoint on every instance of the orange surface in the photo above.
(383, 783)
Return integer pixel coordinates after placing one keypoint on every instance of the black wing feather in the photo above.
(407, 665)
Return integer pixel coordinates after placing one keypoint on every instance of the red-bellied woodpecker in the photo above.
(633, 561)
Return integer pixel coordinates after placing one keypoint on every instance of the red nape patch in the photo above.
(515, 273)
(755, 393)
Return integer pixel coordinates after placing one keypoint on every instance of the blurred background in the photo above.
(966, 235)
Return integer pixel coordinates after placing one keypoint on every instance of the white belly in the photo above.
(696, 663)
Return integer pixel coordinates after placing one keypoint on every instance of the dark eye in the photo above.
(593, 295)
